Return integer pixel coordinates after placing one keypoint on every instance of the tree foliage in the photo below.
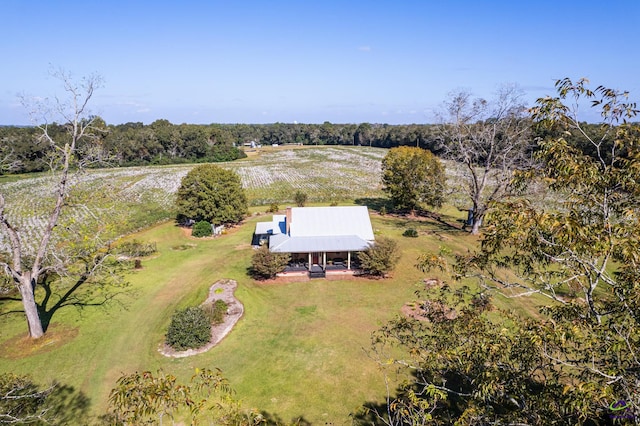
(492, 140)
(145, 398)
(584, 252)
(212, 194)
(266, 264)
(300, 198)
(469, 365)
(380, 258)
(161, 142)
(413, 177)
(576, 363)
(22, 401)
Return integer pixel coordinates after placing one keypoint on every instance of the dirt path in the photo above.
(224, 290)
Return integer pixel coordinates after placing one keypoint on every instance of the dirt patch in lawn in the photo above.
(223, 289)
(22, 346)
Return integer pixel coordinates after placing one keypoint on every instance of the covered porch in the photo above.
(322, 264)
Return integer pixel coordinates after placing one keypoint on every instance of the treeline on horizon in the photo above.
(135, 144)
(161, 142)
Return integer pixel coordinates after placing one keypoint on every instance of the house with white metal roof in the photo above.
(318, 238)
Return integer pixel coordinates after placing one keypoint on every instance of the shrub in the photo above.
(202, 229)
(265, 264)
(300, 198)
(380, 258)
(189, 329)
(273, 208)
(410, 232)
(216, 311)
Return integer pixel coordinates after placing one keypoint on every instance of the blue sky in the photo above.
(309, 61)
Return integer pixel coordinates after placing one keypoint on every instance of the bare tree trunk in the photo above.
(27, 290)
(78, 120)
(475, 227)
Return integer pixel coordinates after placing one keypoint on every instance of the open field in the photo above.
(121, 200)
(299, 350)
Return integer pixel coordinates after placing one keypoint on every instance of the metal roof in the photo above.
(283, 244)
(319, 229)
(334, 221)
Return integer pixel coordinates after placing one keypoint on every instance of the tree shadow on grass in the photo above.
(375, 204)
(271, 419)
(96, 292)
(24, 402)
(443, 223)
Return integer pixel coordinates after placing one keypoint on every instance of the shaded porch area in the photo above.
(322, 264)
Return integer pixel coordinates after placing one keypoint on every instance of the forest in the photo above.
(161, 142)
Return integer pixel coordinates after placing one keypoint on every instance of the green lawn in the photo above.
(299, 350)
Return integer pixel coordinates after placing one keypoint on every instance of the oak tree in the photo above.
(413, 177)
(212, 194)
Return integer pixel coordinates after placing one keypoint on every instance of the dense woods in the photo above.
(161, 142)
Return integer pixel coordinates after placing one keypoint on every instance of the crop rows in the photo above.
(119, 200)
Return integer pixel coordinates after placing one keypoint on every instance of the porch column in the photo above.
(348, 260)
(310, 261)
(324, 260)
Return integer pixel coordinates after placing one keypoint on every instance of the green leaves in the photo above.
(380, 258)
(266, 264)
(213, 194)
(190, 328)
(145, 398)
(412, 177)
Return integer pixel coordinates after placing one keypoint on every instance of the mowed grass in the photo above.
(300, 351)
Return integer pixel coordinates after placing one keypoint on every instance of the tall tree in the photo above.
(211, 193)
(27, 269)
(490, 139)
(583, 253)
(413, 177)
(577, 362)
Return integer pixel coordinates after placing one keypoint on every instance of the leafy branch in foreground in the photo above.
(578, 359)
(471, 366)
(147, 398)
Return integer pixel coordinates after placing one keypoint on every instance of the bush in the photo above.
(300, 198)
(380, 258)
(202, 229)
(273, 208)
(265, 264)
(216, 311)
(410, 233)
(189, 329)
